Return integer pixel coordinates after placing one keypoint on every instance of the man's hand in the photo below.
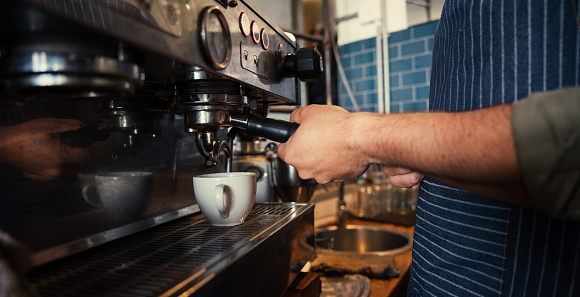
(323, 147)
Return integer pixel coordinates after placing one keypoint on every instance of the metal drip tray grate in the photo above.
(155, 261)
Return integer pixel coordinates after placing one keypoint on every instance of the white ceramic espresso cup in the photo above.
(225, 199)
(120, 194)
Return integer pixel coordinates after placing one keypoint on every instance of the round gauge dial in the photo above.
(255, 32)
(215, 37)
(245, 24)
(265, 39)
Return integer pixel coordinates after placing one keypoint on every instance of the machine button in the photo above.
(265, 39)
(255, 32)
(245, 24)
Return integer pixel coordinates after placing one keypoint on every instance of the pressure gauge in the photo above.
(215, 37)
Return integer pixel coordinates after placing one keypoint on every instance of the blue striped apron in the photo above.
(487, 53)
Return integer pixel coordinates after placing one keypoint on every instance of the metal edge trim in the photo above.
(73, 247)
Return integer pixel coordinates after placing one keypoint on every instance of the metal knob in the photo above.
(306, 64)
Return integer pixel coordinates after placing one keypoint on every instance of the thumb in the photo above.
(281, 150)
(296, 115)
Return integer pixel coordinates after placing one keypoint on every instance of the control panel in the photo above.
(248, 37)
(231, 38)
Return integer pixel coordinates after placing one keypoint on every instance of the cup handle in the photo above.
(86, 192)
(220, 201)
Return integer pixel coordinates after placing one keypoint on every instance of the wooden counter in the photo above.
(309, 283)
(326, 199)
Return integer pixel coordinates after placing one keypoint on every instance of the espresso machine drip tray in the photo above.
(190, 257)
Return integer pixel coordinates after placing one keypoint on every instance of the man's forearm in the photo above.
(473, 150)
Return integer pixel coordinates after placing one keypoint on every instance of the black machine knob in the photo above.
(306, 64)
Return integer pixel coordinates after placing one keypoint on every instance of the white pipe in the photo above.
(343, 75)
(380, 59)
(385, 68)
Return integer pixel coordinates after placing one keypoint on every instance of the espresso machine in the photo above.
(108, 108)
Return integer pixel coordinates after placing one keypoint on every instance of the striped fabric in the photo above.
(490, 52)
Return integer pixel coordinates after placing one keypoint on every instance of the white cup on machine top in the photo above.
(226, 199)
(120, 194)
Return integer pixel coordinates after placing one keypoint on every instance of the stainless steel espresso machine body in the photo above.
(108, 108)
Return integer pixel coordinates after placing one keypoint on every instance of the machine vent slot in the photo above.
(151, 262)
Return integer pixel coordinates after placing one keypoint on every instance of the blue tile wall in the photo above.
(393, 51)
(360, 67)
(394, 81)
(400, 65)
(401, 95)
(410, 53)
(364, 58)
(415, 78)
(371, 70)
(422, 92)
(400, 36)
(413, 48)
(411, 67)
(422, 61)
(369, 43)
(424, 30)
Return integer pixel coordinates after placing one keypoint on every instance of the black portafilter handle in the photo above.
(273, 129)
(84, 137)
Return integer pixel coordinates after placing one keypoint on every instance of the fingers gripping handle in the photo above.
(220, 201)
(272, 129)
